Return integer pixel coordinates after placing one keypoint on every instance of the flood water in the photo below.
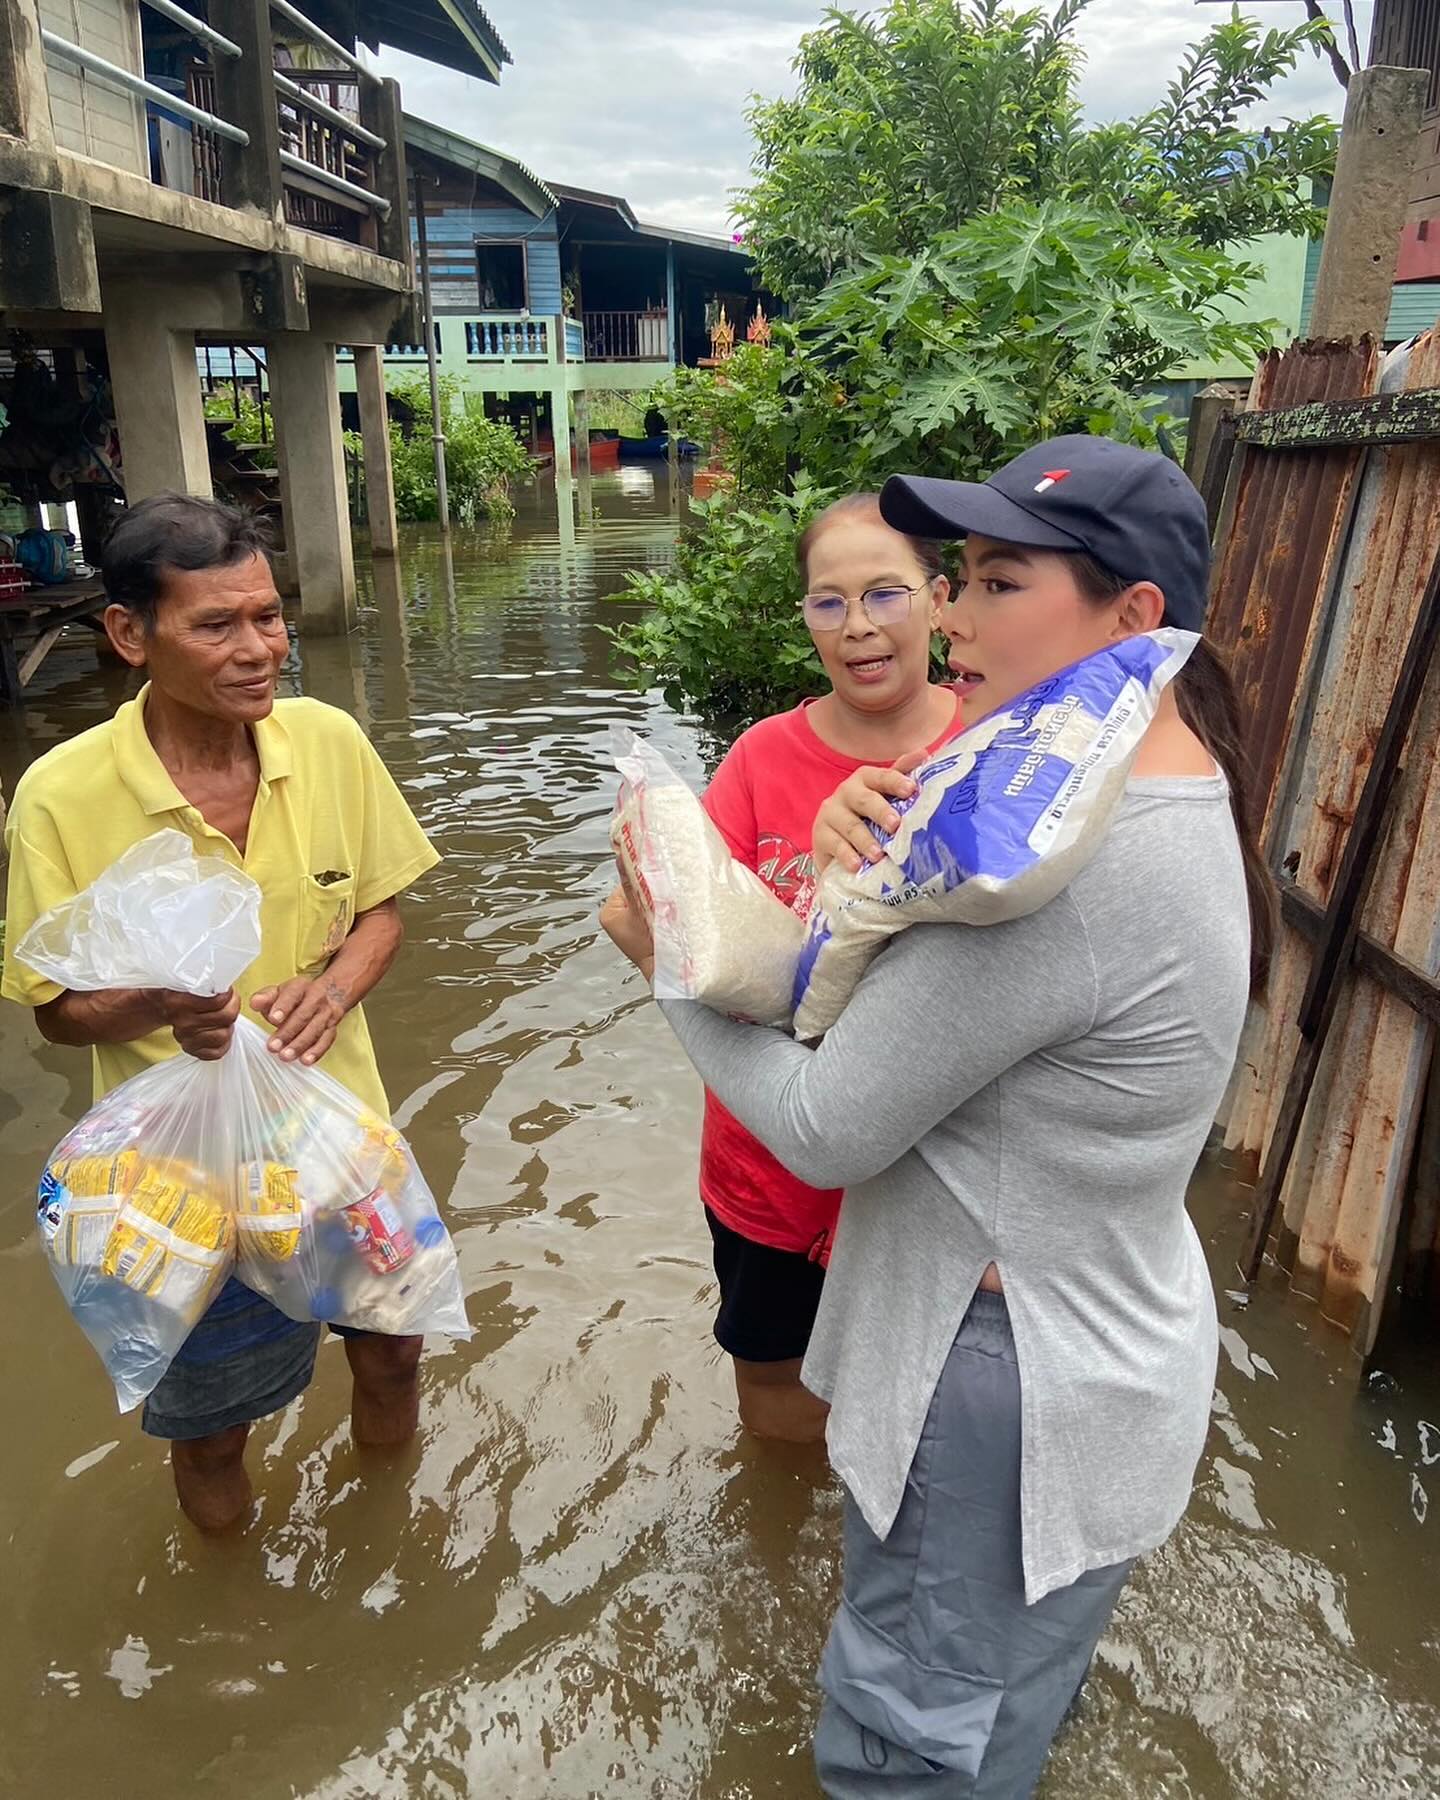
(580, 1580)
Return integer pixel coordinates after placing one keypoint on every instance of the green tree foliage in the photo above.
(905, 123)
(721, 626)
(968, 269)
(909, 121)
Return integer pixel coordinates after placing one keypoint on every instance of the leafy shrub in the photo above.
(482, 457)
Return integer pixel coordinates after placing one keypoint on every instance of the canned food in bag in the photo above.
(378, 1234)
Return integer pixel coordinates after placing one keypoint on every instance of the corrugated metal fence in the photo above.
(1319, 585)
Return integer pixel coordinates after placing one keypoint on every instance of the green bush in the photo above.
(245, 424)
(482, 457)
(724, 625)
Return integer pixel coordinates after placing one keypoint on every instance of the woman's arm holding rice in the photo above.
(943, 1012)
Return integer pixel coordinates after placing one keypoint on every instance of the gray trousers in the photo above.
(940, 1682)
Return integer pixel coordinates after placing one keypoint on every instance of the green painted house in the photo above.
(1285, 292)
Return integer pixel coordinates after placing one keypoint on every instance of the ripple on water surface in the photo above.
(579, 1580)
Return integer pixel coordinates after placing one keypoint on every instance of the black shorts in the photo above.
(768, 1298)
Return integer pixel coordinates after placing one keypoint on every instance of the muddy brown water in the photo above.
(580, 1580)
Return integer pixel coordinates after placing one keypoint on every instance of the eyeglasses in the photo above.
(882, 606)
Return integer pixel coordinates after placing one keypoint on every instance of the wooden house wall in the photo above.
(91, 117)
(461, 211)
(1406, 35)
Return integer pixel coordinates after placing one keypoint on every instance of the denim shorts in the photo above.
(244, 1360)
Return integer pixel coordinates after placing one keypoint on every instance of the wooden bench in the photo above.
(30, 627)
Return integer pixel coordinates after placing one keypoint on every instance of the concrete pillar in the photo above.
(245, 95)
(24, 92)
(305, 402)
(582, 432)
(375, 430)
(560, 419)
(158, 408)
(380, 109)
(1378, 144)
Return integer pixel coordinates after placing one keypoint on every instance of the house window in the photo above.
(503, 284)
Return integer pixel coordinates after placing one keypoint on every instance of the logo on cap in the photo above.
(1052, 476)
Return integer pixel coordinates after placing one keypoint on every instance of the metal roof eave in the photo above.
(520, 183)
(615, 203)
(700, 240)
(456, 34)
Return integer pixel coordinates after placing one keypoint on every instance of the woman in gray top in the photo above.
(1018, 1333)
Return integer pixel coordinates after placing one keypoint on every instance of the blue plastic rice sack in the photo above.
(1004, 817)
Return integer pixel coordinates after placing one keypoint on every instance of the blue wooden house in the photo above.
(543, 293)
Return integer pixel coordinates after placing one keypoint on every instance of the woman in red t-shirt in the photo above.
(872, 603)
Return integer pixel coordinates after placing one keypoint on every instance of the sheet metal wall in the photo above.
(1317, 651)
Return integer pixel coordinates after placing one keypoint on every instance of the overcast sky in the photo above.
(646, 98)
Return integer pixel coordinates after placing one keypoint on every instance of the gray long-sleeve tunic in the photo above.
(1033, 1094)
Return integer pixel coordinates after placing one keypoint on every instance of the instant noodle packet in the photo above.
(267, 1212)
(172, 1245)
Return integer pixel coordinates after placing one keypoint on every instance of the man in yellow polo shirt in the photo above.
(292, 792)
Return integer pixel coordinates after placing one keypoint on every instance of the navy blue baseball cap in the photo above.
(1136, 512)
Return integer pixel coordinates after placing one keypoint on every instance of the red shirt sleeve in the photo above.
(731, 806)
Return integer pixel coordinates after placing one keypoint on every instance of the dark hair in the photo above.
(1210, 706)
(174, 531)
(929, 553)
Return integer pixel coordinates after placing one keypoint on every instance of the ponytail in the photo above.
(1210, 706)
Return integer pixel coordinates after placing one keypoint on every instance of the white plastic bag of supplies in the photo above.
(192, 1170)
(721, 936)
(1005, 816)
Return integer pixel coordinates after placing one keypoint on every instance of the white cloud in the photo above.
(1133, 50)
(647, 98)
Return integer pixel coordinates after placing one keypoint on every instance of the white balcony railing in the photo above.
(504, 338)
(510, 337)
(490, 338)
